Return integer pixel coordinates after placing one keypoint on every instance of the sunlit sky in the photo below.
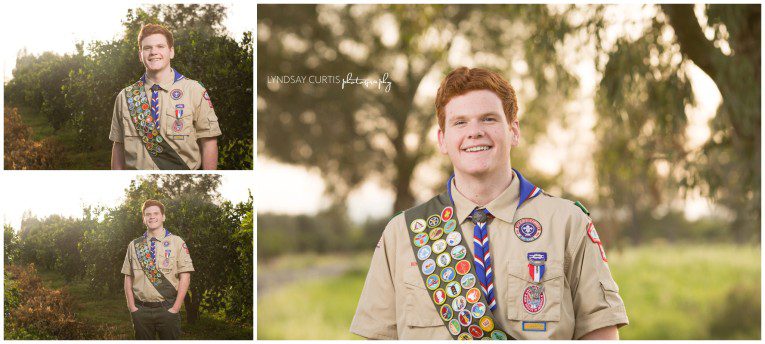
(56, 26)
(65, 193)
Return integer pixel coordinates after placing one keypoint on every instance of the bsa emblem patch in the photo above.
(423, 253)
(446, 312)
(528, 229)
(453, 238)
(478, 310)
(439, 296)
(459, 303)
(176, 94)
(465, 318)
(434, 221)
(468, 281)
(447, 274)
(473, 295)
(533, 299)
(433, 282)
(177, 125)
(459, 252)
(428, 266)
(462, 267)
(475, 331)
(417, 226)
(166, 263)
(450, 226)
(454, 327)
(486, 324)
(453, 289)
(446, 214)
(166, 243)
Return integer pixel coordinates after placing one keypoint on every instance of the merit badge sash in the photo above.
(159, 150)
(446, 266)
(156, 277)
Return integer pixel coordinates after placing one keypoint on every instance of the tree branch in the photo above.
(691, 38)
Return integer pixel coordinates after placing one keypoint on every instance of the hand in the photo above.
(134, 309)
(173, 310)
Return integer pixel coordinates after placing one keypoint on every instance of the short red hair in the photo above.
(151, 203)
(463, 80)
(150, 29)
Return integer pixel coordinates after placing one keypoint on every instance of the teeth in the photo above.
(477, 149)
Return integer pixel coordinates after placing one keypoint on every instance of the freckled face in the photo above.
(476, 135)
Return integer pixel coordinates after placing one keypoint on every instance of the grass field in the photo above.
(111, 310)
(671, 292)
(75, 158)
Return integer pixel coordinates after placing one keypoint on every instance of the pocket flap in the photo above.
(520, 269)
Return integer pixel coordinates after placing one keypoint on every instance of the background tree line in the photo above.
(78, 90)
(643, 163)
(219, 235)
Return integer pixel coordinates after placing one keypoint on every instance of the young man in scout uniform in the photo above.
(157, 275)
(493, 256)
(164, 120)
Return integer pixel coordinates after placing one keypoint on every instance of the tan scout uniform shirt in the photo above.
(199, 121)
(178, 261)
(581, 296)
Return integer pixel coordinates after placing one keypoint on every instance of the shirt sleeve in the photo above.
(127, 268)
(375, 316)
(597, 303)
(205, 120)
(117, 133)
(184, 259)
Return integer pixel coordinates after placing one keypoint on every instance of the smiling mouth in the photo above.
(477, 149)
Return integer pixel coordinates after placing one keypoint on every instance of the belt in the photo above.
(151, 304)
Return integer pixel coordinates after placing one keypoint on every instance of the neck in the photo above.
(163, 76)
(157, 233)
(483, 189)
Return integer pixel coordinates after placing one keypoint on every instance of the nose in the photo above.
(475, 130)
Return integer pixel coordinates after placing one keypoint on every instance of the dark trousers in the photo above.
(149, 322)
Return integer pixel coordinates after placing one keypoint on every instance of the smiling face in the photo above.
(153, 218)
(155, 53)
(476, 135)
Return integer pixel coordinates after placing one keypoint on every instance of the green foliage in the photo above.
(22, 151)
(739, 316)
(79, 90)
(10, 245)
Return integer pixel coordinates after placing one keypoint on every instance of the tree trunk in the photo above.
(192, 308)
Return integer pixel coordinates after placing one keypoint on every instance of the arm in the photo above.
(128, 285)
(605, 333)
(183, 287)
(118, 156)
(209, 148)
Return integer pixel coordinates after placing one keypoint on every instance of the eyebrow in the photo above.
(461, 116)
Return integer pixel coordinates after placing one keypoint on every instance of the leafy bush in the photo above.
(22, 152)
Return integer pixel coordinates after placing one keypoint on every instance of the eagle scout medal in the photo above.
(528, 229)
(447, 270)
(176, 94)
(533, 299)
(417, 226)
(537, 265)
(433, 282)
(446, 312)
(167, 253)
(462, 267)
(475, 331)
(453, 238)
(459, 252)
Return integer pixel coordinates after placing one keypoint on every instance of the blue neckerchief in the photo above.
(528, 190)
(151, 247)
(176, 76)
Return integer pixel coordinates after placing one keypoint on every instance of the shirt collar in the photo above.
(167, 234)
(504, 206)
(176, 77)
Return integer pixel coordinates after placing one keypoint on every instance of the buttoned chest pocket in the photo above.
(420, 311)
(166, 260)
(179, 121)
(529, 301)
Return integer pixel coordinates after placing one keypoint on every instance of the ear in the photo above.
(515, 129)
(441, 144)
(172, 53)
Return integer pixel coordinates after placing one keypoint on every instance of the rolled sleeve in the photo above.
(127, 267)
(597, 303)
(205, 120)
(184, 259)
(375, 316)
(117, 133)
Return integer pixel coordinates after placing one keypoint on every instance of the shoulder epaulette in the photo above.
(581, 206)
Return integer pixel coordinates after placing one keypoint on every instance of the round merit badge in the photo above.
(443, 260)
(420, 239)
(465, 318)
(434, 221)
(433, 282)
(439, 246)
(528, 229)
(498, 335)
(459, 252)
(428, 266)
(462, 267)
(475, 331)
(453, 238)
(424, 252)
(478, 310)
(486, 323)
(436, 233)
(533, 299)
(417, 226)
(459, 303)
(447, 274)
(464, 336)
(473, 295)
(453, 289)
(468, 281)
(454, 327)
(446, 312)
(176, 94)
(439, 296)
(446, 214)
(449, 226)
